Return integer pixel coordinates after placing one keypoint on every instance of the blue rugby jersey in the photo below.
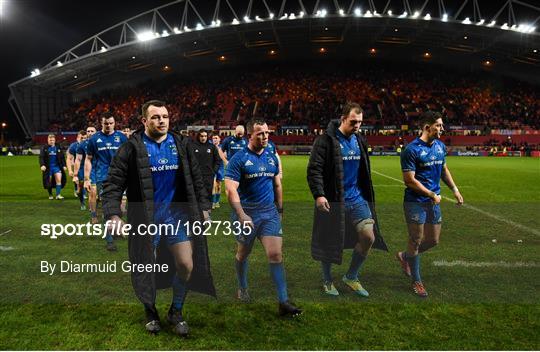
(82, 150)
(232, 145)
(221, 164)
(53, 158)
(351, 156)
(73, 148)
(427, 162)
(255, 173)
(164, 165)
(271, 147)
(103, 148)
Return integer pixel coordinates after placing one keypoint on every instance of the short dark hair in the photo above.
(429, 118)
(107, 115)
(201, 131)
(82, 132)
(254, 121)
(350, 106)
(154, 102)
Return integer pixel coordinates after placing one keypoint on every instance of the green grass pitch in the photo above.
(493, 303)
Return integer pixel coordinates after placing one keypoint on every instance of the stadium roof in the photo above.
(187, 35)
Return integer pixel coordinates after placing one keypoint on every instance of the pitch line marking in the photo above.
(5, 232)
(483, 212)
(501, 264)
(5, 249)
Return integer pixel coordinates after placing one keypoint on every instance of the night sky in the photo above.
(33, 32)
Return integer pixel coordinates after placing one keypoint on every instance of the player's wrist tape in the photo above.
(455, 189)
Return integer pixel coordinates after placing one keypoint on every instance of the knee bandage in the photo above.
(366, 224)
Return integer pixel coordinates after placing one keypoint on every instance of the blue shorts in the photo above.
(266, 223)
(54, 170)
(220, 174)
(356, 212)
(422, 213)
(173, 236)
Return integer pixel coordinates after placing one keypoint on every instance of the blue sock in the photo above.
(414, 263)
(278, 275)
(356, 262)
(58, 189)
(326, 271)
(179, 292)
(241, 272)
(218, 196)
(93, 214)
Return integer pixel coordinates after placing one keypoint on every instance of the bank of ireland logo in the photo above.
(163, 161)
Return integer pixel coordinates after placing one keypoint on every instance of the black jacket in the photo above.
(44, 161)
(331, 233)
(130, 170)
(208, 158)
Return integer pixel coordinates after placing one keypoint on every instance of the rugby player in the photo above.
(220, 174)
(102, 147)
(255, 193)
(423, 163)
(339, 178)
(53, 166)
(164, 185)
(72, 153)
(79, 176)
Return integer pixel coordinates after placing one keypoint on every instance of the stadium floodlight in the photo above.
(103, 49)
(375, 13)
(368, 14)
(505, 26)
(389, 12)
(59, 64)
(292, 16)
(416, 14)
(341, 12)
(531, 29)
(403, 15)
(176, 30)
(235, 21)
(257, 18)
(492, 23)
(271, 15)
(165, 34)
(445, 17)
(247, 19)
(35, 72)
(467, 20)
(301, 14)
(323, 13)
(357, 12)
(427, 17)
(284, 17)
(513, 27)
(199, 26)
(145, 36)
(187, 29)
(481, 22)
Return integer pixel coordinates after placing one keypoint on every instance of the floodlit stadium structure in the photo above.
(185, 36)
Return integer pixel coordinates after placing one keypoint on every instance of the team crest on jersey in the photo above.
(271, 162)
(117, 139)
(248, 163)
(439, 149)
(208, 150)
(173, 149)
(196, 150)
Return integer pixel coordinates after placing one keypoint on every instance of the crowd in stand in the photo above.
(293, 95)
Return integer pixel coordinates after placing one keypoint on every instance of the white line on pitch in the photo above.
(4, 249)
(501, 264)
(5, 232)
(483, 212)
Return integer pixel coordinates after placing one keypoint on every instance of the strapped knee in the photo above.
(364, 225)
